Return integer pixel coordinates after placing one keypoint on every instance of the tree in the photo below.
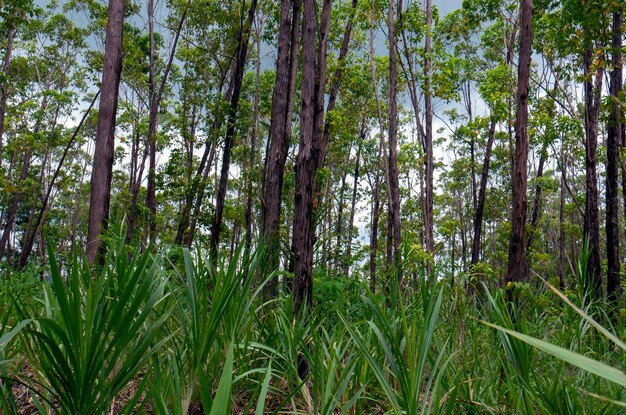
(102, 171)
(240, 63)
(280, 125)
(394, 182)
(517, 269)
(311, 146)
(613, 142)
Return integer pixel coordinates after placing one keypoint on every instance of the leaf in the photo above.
(585, 363)
(260, 405)
(221, 403)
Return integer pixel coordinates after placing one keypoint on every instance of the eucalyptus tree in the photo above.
(614, 140)
(280, 124)
(517, 269)
(102, 170)
(241, 57)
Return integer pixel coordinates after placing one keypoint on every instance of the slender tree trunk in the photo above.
(6, 62)
(517, 269)
(311, 148)
(591, 230)
(536, 213)
(102, 170)
(280, 127)
(613, 288)
(253, 145)
(155, 101)
(394, 182)
(242, 56)
(339, 223)
(482, 196)
(355, 186)
(31, 236)
(191, 232)
(561, 264)
(428, 141)
(375, 220)
(8, 227)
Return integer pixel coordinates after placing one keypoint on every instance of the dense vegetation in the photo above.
(312, 206)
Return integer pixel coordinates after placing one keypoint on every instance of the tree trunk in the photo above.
(253, 146)
(242, 56)
(6, 61)
(428, 141)
(155, 101)
(613, 288)
(355, 187)
(31, 236)
(280, 128)
(339, 223)
(102, 170)
(311, 147)
(536, 213)
(375, 220)
(517, 269)
(561, 263)
(394, 182)
(480, 205)
(591, 230)
(8, 227)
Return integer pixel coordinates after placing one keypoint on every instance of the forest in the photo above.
(312, 207)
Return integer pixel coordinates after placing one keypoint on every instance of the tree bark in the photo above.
(614, 132)
(311, 147)
(280, 127)
(155, 101)
(6, 62)
(482, 196)
(536, 212)
(355, 187)
(428, 141)
(591, 229)
(394, 182)
(102, 170)
(242, 57)
(517, 268)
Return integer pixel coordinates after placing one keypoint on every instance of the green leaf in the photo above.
(221, 403)
(585, 363)
(260, 406)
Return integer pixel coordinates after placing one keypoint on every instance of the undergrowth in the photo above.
(187, 333)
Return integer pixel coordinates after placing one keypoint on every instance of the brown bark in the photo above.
(614, 139)
(8, 227)
(311, 147)
(347, 259)
(591, 229)
(102, 170)
(536, 212)
(280, 127)
(428, 140)
(6, 61)
(482, 196)
(155, 101)
(375, 220)
(242, 56)
(253, 144)
(517, 269)
(561, 263)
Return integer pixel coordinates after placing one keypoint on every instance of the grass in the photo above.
(183, 331)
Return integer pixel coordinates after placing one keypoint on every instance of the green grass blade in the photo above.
(260, 405)
(583, 362)
(221, 403)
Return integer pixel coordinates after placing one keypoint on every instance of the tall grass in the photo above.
(183, 333)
